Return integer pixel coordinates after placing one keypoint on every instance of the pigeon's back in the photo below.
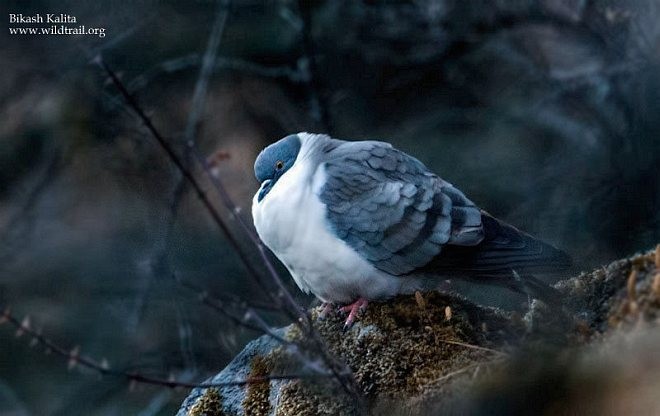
(409, 223)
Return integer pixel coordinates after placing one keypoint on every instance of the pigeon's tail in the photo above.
(507, 257)
(536, 289)
(503, 249)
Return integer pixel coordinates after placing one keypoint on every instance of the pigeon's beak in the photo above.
(266, 186)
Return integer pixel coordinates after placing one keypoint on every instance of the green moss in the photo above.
(402, 347)
(421, 354)
(210, 404)
(622, 295)
(638, 301)
(256, 402)
(311, 398)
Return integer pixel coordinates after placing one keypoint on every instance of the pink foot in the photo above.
(327, 308)
(353, 309)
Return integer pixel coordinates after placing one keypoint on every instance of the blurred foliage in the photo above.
(544, 112)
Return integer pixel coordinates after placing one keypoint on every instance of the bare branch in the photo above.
(185, 171)
(292, 75)
(339, 369)
(159, 263)
(75, 358)
(474, 347)
(224, 310)
(199, 95)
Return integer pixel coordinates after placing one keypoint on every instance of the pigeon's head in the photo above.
(274, 161)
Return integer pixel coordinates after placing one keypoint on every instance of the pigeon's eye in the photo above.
(279, 165)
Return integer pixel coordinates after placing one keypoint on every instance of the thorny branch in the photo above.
(225, 298)
(223, 309)
(159, 263)
(181, 63)
(338, 369)
(343, 374)
(199, 95)
(471, 346)
(75, 358)
(282, 298)
(185, 171)
(197, 107)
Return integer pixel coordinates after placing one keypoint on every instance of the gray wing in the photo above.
(395, 213)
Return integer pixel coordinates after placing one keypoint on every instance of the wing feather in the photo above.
(388, 207)
(503, 249)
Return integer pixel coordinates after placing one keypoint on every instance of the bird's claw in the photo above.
(327, 308)
(353, 309)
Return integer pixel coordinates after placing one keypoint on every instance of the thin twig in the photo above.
(160, 263)
(74, 358)
(232, 300)
(337, 367)
(475, 347)
(283, 293)
(214, 304)
(457, 372)
(339, 370)
(292, 75)
(199, 95)
(249, 316)
(185, 171)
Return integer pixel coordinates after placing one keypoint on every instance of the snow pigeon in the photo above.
(355, 221)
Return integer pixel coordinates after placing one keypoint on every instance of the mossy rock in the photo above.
(209, 404)
(397, 349)
(620, 295)
(430, 353)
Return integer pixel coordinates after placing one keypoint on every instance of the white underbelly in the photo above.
(291, 221)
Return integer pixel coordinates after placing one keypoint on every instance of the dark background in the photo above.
(544, 112)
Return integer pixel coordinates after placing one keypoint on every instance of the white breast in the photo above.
(291, 221)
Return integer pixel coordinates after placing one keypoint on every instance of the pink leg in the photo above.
(353, 309)
(327, 308)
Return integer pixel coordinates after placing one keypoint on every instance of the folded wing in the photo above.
(394, 212)
(406, 220)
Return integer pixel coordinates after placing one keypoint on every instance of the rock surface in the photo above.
(433, 353)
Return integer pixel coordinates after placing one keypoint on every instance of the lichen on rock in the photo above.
(257, 400)
(433, 353)
(619, 295)
(209, 404)
(406, 347)
(313, 398)
(611, 368)
(398, 347)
